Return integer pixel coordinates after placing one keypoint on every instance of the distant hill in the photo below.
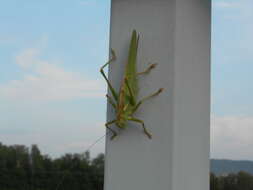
(220, 167)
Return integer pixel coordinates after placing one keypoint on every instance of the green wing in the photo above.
(131, 72)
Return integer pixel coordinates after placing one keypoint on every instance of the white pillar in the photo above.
(176, 35)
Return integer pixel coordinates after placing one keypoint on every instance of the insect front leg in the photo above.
(143, 126)
(110, 100)
(114, 94)
(108, 127)
(148, 69)
(144, 99)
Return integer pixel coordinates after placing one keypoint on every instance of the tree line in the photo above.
(233, 181)
(23, 168)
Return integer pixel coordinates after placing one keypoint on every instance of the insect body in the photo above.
(125, 101)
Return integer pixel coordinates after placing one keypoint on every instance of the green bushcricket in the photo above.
(125, 101)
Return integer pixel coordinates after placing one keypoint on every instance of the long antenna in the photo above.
(96, 141)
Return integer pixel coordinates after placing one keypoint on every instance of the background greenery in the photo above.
(23, 168)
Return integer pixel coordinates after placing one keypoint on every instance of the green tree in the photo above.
(245, 181)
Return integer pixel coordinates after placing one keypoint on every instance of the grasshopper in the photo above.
(125, 101)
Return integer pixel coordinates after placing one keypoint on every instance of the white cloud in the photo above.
(86, 139)
(70, 139)
(232, 137)
(46, 80)
(28, 58)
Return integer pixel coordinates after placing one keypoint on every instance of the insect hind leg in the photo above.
(143, 126)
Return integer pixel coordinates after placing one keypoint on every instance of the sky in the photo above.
(52, 94)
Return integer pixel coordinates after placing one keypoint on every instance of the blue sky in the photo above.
(52, 94)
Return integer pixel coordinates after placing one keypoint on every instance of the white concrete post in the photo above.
(176, 35)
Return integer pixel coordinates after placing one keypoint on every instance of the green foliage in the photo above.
(239, 181)
(24, 169)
